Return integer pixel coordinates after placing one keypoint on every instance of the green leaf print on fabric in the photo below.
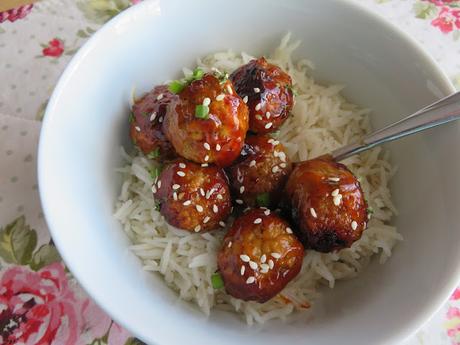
(100, 11)
(17, 242)
(134, 341)
(425, 10)
(45, 255)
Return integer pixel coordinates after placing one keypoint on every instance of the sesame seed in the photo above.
(239, 201)
(256, 90)
(243, 268)
(268, 125)
(313, 212)
(243, 153)
(218, 147)
(154, 189)
(215, 209)
(271, 264)
(209, 193)
(197, 228)
(205, 165)
(275, 169)
(334, 179)
(180, 173)
(222, 224)
(267, 212)
(229, 89)
(159, 183)
(239, 178)
(276, 142)
(259, 117)
(270, 141)
(252, 163)
(267, 114)
(159, 97)
(257, 220)
(253, 265)
(199, 208)
(250, 280)
(219, 196)
(245, 99)
(263, 258)
(206, 158)
(182, 165)
(369, 216)
(137, 128)
(264, 268)
(160, 120)
(337, 199)
(175, 196)
(335, 192)
(229, 244)
(220, 97)
(241, 189)
(275, 255)
(202, 192)
(245, 258)
(176, 186)
(258, 106)
(207, 146)
(206, 101)
(187, 202)
(206, 219)
(354, 225)
(153, 116)
(283, 165)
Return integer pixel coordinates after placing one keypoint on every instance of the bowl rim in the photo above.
(446, 87)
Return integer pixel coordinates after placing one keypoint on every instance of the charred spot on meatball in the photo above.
(193, 197)
(326, 203)
(269, 92)
(259, 256)
(258, 177)
(146, 123)
(207, 121)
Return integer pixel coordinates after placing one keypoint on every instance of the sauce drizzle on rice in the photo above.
(321, 121)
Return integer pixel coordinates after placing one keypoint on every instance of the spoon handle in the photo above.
(438, 113)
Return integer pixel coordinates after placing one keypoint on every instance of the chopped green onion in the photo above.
(263, 199)
(370, 210)
(131, 117)
(216, 281)
(155, 172)
(290, 87)
(275, 134)
(157, 205)
(154, 154)
(176, 86)
(202, 111)
(197, 74)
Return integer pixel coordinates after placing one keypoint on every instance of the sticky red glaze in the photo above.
(150, 136)
(210, 181)
(272, 235)
(310, 186)
(275, 96)
(263, 167)
(226, 126)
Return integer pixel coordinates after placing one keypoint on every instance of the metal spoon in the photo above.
(438, 113)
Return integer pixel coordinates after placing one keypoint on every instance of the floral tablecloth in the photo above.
(40, 303)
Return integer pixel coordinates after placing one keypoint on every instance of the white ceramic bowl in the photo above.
(86, 123)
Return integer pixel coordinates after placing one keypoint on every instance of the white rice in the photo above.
(321, 121)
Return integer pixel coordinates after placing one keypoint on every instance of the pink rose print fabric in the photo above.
(16, 13)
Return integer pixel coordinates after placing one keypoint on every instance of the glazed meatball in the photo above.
(259, 256)
(269, 92)
(259, 175)
(146, 123)
(193, 197)
(207, 122)
(327, 204)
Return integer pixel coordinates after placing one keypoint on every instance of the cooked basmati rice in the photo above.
(321, 121)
